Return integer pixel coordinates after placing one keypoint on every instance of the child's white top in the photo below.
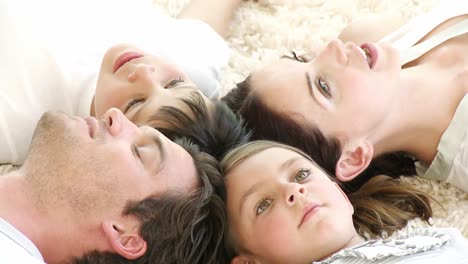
(431, 245)
(51, 51)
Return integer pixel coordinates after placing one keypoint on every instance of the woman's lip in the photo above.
(124, 58)
(309, 211)
(374, 54)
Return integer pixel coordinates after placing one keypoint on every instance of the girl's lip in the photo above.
(372, 50)
(124, 58)
(309, 211)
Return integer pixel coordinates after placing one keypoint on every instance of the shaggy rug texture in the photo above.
(263, 30)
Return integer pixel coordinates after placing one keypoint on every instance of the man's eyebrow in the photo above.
(161, 149)
(254, 187)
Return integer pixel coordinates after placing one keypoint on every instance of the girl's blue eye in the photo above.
(323, 87)
(301, 175)
(262, 206)
(174, 82)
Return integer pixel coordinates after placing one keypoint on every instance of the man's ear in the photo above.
(355, 158)
(124, 238)
(244, 259)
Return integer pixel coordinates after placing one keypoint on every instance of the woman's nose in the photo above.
(335, 50)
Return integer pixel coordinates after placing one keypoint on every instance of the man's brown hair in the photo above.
(179, 227)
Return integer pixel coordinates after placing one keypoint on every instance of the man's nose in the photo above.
(117, 124)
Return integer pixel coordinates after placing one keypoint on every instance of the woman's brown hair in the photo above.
(271, 124)
(381, 205)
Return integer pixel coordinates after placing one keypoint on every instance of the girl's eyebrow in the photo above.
(249, 192)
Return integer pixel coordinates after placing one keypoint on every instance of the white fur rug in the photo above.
(263, 30)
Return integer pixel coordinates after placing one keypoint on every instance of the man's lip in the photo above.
(124, 58)
(309, 211)
(92, 126)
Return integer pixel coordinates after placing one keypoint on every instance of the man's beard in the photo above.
(61, 172)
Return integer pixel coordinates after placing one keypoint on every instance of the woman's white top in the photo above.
(51, 51)
(451, 161)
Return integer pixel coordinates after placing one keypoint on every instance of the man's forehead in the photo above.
(182, 161)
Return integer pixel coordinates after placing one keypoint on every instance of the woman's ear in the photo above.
(125, 239)
(355, 158)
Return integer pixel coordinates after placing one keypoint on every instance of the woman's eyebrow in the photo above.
(287, 57)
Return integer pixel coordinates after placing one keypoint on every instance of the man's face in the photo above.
(99, 165)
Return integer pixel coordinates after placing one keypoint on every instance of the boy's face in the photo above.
(284, 209)
(139, 84)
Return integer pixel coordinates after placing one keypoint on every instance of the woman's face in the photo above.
(139, 84)
(339, 90)
(282, 208)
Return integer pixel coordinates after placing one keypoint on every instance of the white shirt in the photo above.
(51, 51)
(17, 248)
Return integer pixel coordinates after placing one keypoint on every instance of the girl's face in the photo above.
(282, 208)
(139, 84)
(338, 90)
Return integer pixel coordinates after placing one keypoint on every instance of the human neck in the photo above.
(423, 108)
(355, 240)
(54, 232)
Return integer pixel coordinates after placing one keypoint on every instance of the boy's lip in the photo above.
(309, 211)
(124, 58)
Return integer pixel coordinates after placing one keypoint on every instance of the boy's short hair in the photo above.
(215, 129)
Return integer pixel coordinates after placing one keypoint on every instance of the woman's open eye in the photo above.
(323, 87)
(174, 82)
(132, 103)
(301, 175)
(297, 57)
(262, 206)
